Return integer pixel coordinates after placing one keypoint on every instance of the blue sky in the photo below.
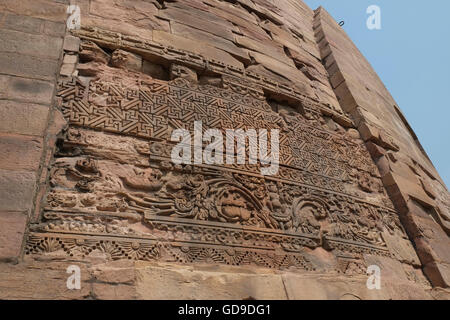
(411, 54)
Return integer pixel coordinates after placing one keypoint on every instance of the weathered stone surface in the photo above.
(16, 190)
(265, 48)
(155, 70)
(105, 291)
(22, 23)
(20, 152)
(43, 9)
(205, 37)
(170, 282)
(30, 48)
(42, 46)
(26, 66)
(137, 18)
(328, 288)
(70, 59)
(179, 71)
(185, 17)
(26, 90)
(67, 70)
(23, 118)
(126, 60)
(440, 294)
(120, 272)
(92, 52)
(288, 72)
(204, 49)
(380, 121)
(431, 241)
(12, 230)
(45, 280)
(89, 69)
(51, 28)
(438, 273)
(71, 43)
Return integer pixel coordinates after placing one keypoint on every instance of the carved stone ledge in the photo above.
(147, 250)
(156, 52)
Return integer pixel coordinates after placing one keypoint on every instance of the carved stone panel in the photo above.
(115, 191)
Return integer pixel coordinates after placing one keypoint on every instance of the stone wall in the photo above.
(419, 194)
(87, 178)
(31, 41)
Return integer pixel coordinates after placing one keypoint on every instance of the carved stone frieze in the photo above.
(114, 189)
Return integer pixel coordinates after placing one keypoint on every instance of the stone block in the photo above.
(345, 98)
(126, 60)
(22, 23)
(438, 273)
(116, 272)
(179, 71)
(42, 279)
(54, 28)
(36, 45)
(210, 26)
(408, 185)
(213, 40)
(12, 229)
(106, 291)
(337, 79)
(206, 50)
(431, 241)
(327, 287)
(89, 51)
(401, 248)
(122, 17)
(383, 165)
(266, 48)
(71, 44)
(375, 150)
(391, 270)
(16, 190)
(288, 72)
(67, 69)
(20, 152)
(369, 132)
(23, 118)
(209, 282)
(70, 59)
(89, 69)
(26, 90)
(43, 9)
(21, 65)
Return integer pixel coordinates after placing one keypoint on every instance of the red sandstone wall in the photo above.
(31, 42)
(415, 187)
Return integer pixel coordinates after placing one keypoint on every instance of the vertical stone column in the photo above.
(31, 41)
(413, 184)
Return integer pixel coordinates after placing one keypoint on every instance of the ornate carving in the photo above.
(308, 214)
(198, 62)
(154, 109)
(151, 250)
(115, 191)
